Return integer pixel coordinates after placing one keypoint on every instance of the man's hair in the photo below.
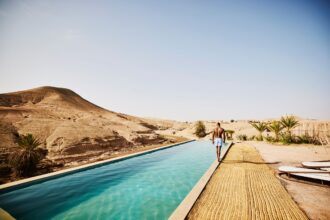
(218, 123)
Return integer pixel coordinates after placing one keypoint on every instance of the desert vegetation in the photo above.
(200, 130)
(282, 130)
(25, 159)
(242, 137)
(289, 122)
(260, 127)
(276, 127)
(229, 134)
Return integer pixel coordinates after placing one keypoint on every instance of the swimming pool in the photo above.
(149, 186)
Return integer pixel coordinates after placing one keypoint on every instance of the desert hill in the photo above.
(46, 95)
(68, 125)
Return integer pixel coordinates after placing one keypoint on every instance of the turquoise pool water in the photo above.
(149, 186)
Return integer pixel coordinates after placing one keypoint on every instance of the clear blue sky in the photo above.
(183, 60)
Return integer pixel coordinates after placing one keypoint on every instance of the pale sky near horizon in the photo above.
(183, 60)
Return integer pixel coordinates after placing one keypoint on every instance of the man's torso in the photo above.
(218, 132)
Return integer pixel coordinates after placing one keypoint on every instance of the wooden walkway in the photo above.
(243, 187)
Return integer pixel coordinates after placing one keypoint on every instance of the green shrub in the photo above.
(286, 138)
(242, 137)
(252, 138)
(229, 134)
(303, 139)
(307, 139)
(200, 130)
(270, 139)
(26, 158)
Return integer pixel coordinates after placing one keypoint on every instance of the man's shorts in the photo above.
(218, 142)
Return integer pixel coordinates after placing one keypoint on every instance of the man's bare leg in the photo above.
(218, 153)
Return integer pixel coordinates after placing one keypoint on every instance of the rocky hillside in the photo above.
(70, 126)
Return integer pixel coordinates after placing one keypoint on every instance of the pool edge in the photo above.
(188, 202)
(7, 187)
(4, 215)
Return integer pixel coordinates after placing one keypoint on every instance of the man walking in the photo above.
(218, 139)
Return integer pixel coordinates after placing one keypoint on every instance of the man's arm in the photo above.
(213, 137)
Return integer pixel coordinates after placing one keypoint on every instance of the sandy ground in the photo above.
(243, 187)
(314, 200)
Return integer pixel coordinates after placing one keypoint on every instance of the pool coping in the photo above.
(186, 205)
(5, 215)
(7, 187)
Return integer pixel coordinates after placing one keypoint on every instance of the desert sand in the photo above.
(313, 199)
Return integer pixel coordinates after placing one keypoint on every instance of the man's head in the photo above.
(218, 124)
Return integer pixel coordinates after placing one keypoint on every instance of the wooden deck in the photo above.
(243, 187)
